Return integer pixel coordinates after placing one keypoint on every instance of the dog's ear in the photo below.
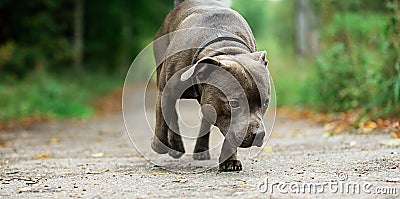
(202, 69)
(261, 57)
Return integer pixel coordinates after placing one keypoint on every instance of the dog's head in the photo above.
(235, 93)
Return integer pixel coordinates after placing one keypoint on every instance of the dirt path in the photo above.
(95, 159)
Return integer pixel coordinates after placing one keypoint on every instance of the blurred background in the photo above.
(58, 57)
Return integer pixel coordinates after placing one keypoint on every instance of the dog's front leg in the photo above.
(202, 143)
(167, 138)
(228, 160)
(174, 138)
(170, 115)
(160, 140)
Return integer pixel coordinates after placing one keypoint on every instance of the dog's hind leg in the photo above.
(202, 144)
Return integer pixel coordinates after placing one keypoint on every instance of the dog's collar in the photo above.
(216, 38)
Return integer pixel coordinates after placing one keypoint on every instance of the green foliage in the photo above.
(351, 72)
(393, 61)
(33, 36)
(271, 22)
(116, 31)
(38, 35)
(44, 95)
(356, 68)
(36, 52)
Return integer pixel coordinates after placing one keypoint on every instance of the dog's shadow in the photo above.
(186, 164)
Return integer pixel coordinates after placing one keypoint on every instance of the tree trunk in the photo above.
(301, 26)
(307, 35)
(126, 45)
(78, 35)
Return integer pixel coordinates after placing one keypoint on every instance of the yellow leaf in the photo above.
(54, 140)
(267, 149)
(43, 155)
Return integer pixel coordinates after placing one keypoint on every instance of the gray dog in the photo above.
(206, 51)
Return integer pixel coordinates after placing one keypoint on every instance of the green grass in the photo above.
(45, 95)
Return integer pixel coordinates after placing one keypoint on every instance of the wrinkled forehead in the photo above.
(252, 76)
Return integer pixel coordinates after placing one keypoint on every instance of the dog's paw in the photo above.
(177, 149)
(205, 155)
(158, 146)
(175, 154)
(230, 165)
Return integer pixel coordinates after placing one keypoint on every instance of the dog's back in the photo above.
(192, 14)
(183, 9)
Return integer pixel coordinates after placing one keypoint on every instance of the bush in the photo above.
(352, 71)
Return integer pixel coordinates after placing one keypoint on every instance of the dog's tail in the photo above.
(177, 2)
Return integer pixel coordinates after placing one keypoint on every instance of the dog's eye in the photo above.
(234, 104)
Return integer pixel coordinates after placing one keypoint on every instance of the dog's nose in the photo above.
(258, 138)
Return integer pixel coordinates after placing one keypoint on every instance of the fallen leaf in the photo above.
(54, 140)
(43, 155)
(98, 155)
(328, 126)
(392, 142)
(395, 124)
(5, 144)
(267, 149)
(370, 125)
(395, 134)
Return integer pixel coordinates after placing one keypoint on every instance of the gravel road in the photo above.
(95, 159)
